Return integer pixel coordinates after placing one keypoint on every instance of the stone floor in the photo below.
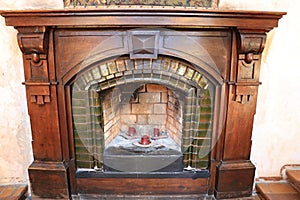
(286, 189)
(13, 192)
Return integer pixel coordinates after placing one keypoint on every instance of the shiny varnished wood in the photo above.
(142, 186)
(158, 16)
(56, 45)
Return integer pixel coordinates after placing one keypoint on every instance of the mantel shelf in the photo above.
(144, 16)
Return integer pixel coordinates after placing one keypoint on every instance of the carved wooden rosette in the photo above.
(247, 77)
(33, 42)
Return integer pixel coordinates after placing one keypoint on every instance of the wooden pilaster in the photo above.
(235, 172)
(48, 172)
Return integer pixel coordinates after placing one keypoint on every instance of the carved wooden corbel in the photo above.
(33, 42)
(249, 53)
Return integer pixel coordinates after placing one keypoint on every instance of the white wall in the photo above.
(15, 136)
(276, 132)
(15, 152)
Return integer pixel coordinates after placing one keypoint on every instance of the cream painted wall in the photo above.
(15, 152)
(276, 132)
(15, 136)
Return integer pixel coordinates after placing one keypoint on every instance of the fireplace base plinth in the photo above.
(142, 186)
(234, 179)
(49, 180)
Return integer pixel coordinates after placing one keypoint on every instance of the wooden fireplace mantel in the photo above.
(124, 17)
(52, 174)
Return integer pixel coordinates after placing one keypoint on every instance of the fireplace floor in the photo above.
(125, 155)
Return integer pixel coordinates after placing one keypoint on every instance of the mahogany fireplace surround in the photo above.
(57, 45)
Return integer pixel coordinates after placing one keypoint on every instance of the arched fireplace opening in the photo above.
(117, 103)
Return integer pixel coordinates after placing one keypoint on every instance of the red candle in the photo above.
(145, 140)
(156, 132)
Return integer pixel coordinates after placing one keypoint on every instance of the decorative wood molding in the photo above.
(33, 42)
(247, 79)
(143, 44)
(252, 42)
(33, 39)
(145, 17)
(234, 41)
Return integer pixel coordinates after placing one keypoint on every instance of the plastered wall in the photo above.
(276, 133)
(15, 137)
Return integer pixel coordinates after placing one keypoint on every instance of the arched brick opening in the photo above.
(100, 93)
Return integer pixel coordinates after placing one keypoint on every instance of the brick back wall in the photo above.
(148, 109)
